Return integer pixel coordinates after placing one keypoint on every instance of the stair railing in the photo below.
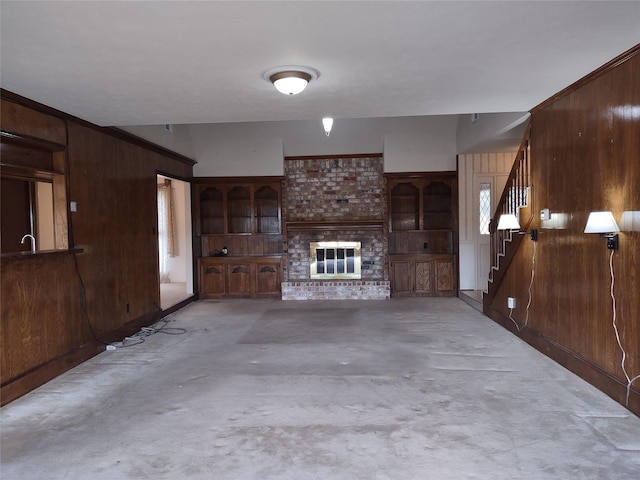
(516, 195)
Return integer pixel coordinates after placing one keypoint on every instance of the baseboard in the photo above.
(589, 372)
(41, 374)
(34, 378)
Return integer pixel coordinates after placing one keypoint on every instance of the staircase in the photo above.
(517, 198)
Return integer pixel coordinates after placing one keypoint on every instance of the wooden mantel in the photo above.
(335, 225)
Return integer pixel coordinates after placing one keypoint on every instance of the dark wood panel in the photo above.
(212, 278)
(267, 279)
(584, 154)
(24, 121)
(41, 312)
(401, 278)
(113, 182)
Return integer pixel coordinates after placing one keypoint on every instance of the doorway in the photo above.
(487, 191)
(175, 266)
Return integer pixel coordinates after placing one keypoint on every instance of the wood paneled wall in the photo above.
(585, 156)
(113, 181)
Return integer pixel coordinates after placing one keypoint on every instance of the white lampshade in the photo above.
(327, 123)
(508, 221)
(601, 222)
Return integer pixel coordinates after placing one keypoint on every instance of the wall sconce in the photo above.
(327, 123)
(290, 79)
(508, 221)
(604, 224)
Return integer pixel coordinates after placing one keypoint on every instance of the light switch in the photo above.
(73, 206)
(545, 214)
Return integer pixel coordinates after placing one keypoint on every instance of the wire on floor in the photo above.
(159, 327)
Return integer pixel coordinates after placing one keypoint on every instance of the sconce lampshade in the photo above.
(601, 222)
(327, 123)
(508, 221)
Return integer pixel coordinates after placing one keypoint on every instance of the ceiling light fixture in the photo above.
(290, 79)
(327, 123)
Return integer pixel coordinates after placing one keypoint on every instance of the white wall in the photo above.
(408, 144)
(491, 132)
(181, 266)
(178, 141)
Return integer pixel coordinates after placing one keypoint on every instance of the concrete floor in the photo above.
(397, 389)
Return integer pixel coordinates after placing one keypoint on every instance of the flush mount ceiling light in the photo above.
(290, 79)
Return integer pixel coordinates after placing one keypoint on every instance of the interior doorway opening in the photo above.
(175, 266)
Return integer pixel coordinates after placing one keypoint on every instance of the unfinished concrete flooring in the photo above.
(264, 389)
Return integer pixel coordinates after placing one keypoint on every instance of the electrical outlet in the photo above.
(426, 245)
(511, 302)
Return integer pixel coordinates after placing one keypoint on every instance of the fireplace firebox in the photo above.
(335, 260)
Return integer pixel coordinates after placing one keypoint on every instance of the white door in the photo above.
(488, 190)
(483, 210)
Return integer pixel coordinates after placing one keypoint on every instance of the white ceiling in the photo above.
(184, 62)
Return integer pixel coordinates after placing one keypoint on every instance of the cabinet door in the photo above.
(445, 284)
(423, 277)
(239, 279)
(211, 211)
(212, 279)
(239, 210)
(405, 207)
(268, 279)
(401, 278)
(267, 210)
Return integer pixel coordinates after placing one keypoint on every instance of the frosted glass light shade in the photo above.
(291, 85)
(601, 222)
(290, 79)
(508, 221)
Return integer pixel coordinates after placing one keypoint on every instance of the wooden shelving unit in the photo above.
(244, 215)
(423, 233)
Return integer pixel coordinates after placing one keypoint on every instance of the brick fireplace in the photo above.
(337, 199)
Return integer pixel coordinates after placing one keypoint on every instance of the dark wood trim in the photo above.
(147, 145)
(421, 175)
(32, 142)
(178, 306)
(34, 378)
(324, 157)
(586, 370)
(240, 180)
(607, 67)
(39, 253)
(336, 225)
(112, 131)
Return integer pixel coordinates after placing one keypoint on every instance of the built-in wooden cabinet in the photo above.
(423, 233)
(237, 208)
(429, 275)
(239, 277)
(244, 215)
